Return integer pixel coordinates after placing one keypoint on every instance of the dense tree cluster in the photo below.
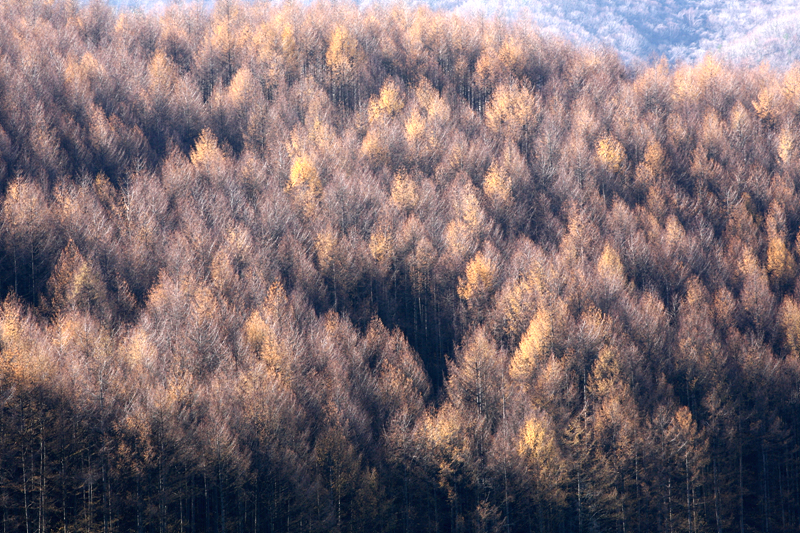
(282, 268)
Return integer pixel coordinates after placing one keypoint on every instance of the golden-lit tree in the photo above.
(343, 58)
(463, 233)
(479, 280)
(611, 153)
(503, 174)
(404, 191)
(610, 272)
(756, 298)
(512, 111)
(388, 104)
(304, 184)
(207, 156)
(544, 462)
(224, 44)
(652, 168)
(76, 285)
(781, 265)
(766, 105)
(534, 347)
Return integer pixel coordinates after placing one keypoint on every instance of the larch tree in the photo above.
(343, 58)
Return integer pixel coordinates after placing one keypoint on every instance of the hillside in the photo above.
(314, 268)
(682, 30)
(678, 30)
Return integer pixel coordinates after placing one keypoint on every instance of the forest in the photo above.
(749, 31)
(303, 268)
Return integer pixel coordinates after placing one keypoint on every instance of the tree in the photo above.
(304, 184)
(382, 248)
(512, 111)
(231, 107)
(342, 58)
(545, 466)
(533, 348)
(611, 153)
(685, 448)
(502, 177)
(787, 146)
(463, 233)
(475, 377)
(781, 265)
(388, 104)
(31, 238)
(651, 170)
(76, 285)
(404, 191)
(516, 302)
(479, 280)
(611, 275)
(765, 105)
(223, 45)
(502, 63)
(607, 462)
(401, 384)
(207, 156)
(790, 321)
(270, 334)
(756, 298)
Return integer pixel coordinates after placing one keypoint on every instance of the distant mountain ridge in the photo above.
(680, 30)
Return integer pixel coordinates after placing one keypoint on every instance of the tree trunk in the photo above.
(741, 492)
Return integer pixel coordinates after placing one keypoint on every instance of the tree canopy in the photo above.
(274, 267)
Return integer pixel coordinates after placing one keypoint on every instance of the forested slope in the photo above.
(682, 30)
(283, 268)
